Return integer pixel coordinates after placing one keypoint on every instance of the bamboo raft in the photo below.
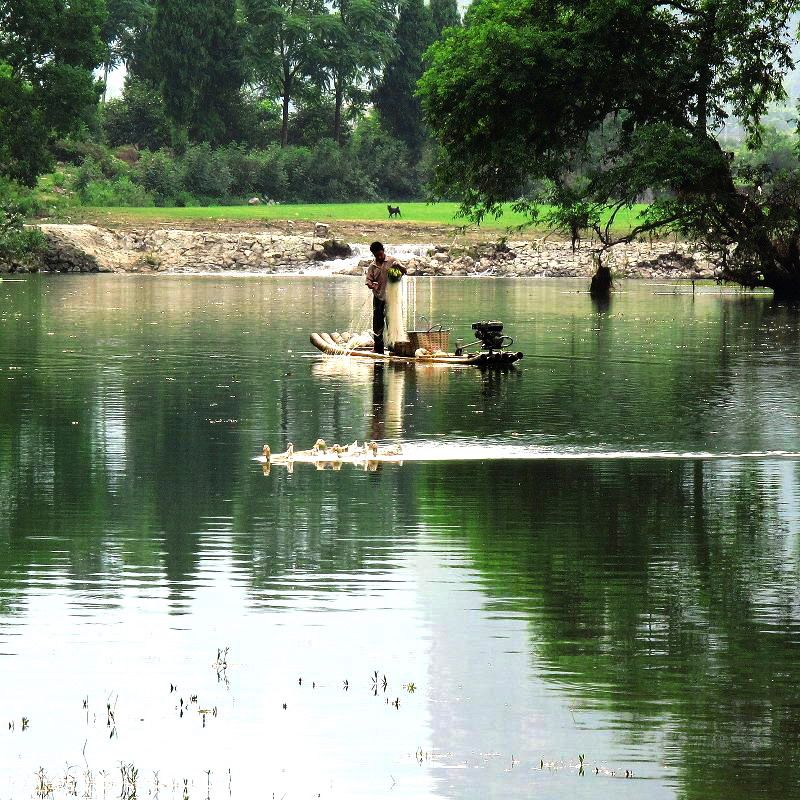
(328, 345)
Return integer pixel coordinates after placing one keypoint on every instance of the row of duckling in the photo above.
(323, 452)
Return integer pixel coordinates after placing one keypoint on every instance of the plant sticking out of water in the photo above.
(70, 782)
(129, 775)
(88, 782)
(111, 722)
(384, 683)
(44, 787)
(410, 687)
(221, 666)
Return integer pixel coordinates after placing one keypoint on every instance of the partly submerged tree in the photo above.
(518, 96)
(48, 51)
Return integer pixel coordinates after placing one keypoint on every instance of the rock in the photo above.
(335, 248)
(254, 201)
(321, 229)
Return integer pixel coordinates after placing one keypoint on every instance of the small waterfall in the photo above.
(402, 252)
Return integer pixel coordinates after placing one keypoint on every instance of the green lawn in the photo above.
(423, 213)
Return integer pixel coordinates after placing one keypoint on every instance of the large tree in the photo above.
(445, 14)
(358, 39)
(518, 95)
(48, 50)
(195, 59)
(125, 21)
(284, 49)
(395, 97)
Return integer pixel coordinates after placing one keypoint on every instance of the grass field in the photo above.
(416, 213)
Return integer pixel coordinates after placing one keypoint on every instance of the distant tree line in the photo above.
(287, 99)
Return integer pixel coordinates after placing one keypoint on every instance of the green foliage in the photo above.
(205, 172)
(283, 48)
(445, 14)
(21, 198)
(385, 161)
(159, 175)
(777, 152)
(138, 117)
(359, 41)
(311, 122)
(48, 49)
(18, 245)
(195, 59)
(125, 21)
(395, 98)
(115, 193)
(516, 97)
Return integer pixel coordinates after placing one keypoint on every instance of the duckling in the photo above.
(266, 452)
(319, 447)
(373, 448)
(287, 456)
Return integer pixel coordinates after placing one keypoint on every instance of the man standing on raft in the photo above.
(378, 274)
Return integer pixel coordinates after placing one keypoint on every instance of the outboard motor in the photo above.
(490, 337)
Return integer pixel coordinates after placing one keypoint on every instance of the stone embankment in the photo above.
(555, 259)
(86, 248)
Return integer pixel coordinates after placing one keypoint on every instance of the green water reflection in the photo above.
(642, 611)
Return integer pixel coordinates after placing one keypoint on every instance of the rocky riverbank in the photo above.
(87, 248)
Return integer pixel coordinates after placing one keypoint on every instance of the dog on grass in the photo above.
(394, 211)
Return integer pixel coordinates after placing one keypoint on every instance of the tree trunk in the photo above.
(285, 123)
(704, 76)
(106, 69)
(337, 112)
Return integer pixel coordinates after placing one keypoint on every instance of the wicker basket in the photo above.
(430, 340)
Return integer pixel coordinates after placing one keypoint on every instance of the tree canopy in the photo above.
(395, 99)
(48, 50)
(196, 61)
(518, 96)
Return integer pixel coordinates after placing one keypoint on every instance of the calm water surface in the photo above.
(613, 574)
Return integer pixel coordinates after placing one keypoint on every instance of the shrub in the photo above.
(333, 177)
(384, 160)
(271, 181)
(19, 197)
(138, 117)
(76, 151)
(244, 167)
(120, 192)
(159, 174)
(18, 245)
(205, 172)
(88, 172)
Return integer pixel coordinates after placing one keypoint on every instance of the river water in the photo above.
(590, 557)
